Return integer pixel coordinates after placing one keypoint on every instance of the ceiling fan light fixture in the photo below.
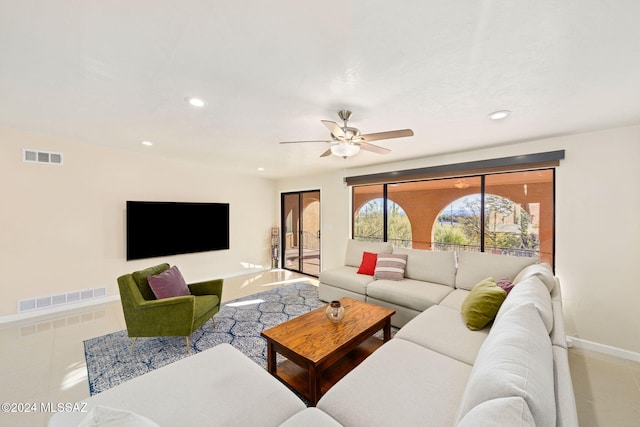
(196, 102)
(345, 149)
(499, 115)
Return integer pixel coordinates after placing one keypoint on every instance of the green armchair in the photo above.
(147, 316)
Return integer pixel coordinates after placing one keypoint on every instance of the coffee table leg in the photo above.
(387, 330)
(271, 358)
(314, 386)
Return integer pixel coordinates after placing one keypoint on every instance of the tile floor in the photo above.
(42, 361)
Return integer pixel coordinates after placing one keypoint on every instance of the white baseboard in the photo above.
(66, 307)
(603, 348)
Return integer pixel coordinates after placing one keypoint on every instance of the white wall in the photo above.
(597, 225)
(62, 227)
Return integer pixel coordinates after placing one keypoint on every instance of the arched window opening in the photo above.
(509, 229)
(369, 223)
(504, 213)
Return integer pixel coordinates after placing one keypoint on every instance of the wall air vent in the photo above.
(37, 156)
(50, 301)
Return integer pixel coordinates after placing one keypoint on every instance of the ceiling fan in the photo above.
(347, 141)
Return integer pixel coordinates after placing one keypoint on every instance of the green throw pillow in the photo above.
(481, 305)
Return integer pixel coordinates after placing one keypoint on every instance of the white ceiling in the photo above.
(117, 72)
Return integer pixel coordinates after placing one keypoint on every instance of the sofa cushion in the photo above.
(311, 417)
(505, 411)
(213, 386)
(515, 360)
(169, 283)
(368, 264)
(530, 291)
(455, 299)
(542, 271)
(476, 266)
(104, 416)
(383, 389)
(140, 277)
(346, 277)
(442, 329)
(390, 266)
(355, 248)
(482, 304)
(409, 293)
(430, 266)
(203, 304)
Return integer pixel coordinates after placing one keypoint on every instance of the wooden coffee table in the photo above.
(320, 352)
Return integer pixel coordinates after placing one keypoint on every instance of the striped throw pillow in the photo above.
(390, 266)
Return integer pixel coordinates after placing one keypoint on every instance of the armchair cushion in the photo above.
(169, 283)
(140, 277)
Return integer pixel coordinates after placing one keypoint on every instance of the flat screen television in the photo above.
(157, 229)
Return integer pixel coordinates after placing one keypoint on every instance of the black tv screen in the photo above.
(169, 228)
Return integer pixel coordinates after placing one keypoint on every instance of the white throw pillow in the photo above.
(106, 416)
(390, 266)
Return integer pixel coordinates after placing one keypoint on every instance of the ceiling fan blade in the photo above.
(326, 153)
(334, 128)
(386, 135)
(301, 142)
(374, 148)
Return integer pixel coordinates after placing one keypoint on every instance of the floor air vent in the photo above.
(36, 156)
(50, 301)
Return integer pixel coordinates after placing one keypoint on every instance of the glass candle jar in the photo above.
(335, 311)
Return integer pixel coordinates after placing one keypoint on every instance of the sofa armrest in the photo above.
(208, 287)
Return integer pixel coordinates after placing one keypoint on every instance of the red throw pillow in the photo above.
(368, 264)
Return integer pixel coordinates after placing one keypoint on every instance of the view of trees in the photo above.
(368, 222)
(506, 224)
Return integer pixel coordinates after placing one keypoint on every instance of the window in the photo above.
(368, 217)
(508, 213)
(522, 220)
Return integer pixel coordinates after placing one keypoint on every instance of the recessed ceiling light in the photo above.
(196, 102)
(148, 143)
(261, 169)
(499, 115)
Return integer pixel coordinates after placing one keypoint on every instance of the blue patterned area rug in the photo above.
(239, 323)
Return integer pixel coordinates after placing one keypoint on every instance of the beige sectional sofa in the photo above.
(431, 278)
(515, 372)
(434, 372)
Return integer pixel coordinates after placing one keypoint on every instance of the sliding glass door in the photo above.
(300, 225)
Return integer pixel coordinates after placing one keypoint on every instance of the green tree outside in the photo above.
(369, 222)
